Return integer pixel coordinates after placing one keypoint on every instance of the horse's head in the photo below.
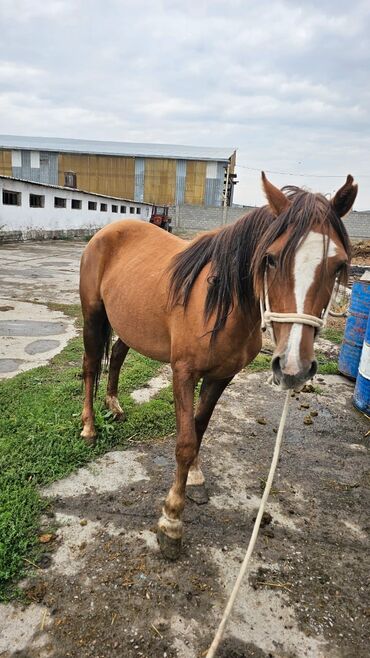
(300, 257)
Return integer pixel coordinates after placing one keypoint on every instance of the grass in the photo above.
(39, 441)
(326, 366)
(332, 334)
(260, 363)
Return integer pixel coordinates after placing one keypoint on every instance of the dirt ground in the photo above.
(361, 253)
(103, 590)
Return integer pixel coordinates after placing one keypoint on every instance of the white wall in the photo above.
(24, 218)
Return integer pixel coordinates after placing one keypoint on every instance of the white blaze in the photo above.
(309, 256)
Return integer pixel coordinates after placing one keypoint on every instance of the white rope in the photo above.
(218, 637)
(301, 318)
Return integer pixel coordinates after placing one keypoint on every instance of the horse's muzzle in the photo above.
(295, 380)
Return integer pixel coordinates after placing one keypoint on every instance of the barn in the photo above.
(146, 173)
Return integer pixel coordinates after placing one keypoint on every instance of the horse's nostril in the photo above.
(276, 366)
(313, 369)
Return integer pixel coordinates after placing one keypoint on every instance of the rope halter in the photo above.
(268, 316)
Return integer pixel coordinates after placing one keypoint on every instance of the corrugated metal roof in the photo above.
(74, 189)
(60, 144)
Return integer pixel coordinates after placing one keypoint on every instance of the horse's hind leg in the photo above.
(210, 393)
(96, 336)
(118, 355)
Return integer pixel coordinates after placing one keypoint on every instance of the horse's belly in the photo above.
(141, 325)
(158, 348)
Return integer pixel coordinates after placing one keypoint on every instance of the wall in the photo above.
(199, 218)
(163, 181)
(25, 219)
(358, 225)
(160, 181)
(102, 174)
(5, 163)
(194, 218)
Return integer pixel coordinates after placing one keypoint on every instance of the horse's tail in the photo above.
(105, 348)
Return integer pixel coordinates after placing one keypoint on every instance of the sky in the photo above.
(285, 83)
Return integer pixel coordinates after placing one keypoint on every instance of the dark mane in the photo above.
(229, 251)
(237, 254)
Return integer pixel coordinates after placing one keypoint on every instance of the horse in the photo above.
(199, 305)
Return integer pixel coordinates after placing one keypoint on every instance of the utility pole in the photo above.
(226, 188)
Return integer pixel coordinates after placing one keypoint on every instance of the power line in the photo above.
(288, 173)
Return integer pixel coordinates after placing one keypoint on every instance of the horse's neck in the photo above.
(243, 324)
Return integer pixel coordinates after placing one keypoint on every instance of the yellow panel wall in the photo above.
(195, 182)
(160, 181)
(111, 175)
(6, 163)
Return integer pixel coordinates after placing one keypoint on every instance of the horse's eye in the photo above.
(271, 260)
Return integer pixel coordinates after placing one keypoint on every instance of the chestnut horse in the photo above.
(196, 305)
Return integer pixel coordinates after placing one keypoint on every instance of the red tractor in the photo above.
(160, 218)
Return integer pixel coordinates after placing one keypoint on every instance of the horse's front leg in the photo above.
(210, 392)
(170, 524)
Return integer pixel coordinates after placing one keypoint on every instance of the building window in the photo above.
(59, 202)
(103, 207)
(11, 198)
(37, 201)
(138, 211)
(123, 210)
(114, 208)
(70, 179)
(92, 205)
(132, 210)
(76, 204)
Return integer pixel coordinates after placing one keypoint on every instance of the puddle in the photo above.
(31, 328)
(40, 346)
(10, 365)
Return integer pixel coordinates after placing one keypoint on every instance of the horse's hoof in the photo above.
(170, 547)
(119, 416)
(114, 406)
(90, 439)
(197, 493)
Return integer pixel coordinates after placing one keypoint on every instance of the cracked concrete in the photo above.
(30, 333)
(23, 328)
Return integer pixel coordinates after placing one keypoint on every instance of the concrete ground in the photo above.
(30, 333)
(102, 588)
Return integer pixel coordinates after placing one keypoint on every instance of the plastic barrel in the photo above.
(354, 333)
(361, 396)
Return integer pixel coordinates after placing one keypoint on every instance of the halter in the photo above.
(268, 316)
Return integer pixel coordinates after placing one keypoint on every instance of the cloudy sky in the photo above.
(286, 83)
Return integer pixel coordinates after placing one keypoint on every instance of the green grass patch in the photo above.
(326, 366)
(332, 334)
(260, 363)
(40, 443)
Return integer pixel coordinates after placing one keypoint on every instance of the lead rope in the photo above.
(267, 317)
(218, 637)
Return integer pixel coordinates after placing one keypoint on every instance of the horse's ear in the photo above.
(278, 202)
(345, 197)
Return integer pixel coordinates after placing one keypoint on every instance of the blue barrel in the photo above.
(361, 396)
(354, 333)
